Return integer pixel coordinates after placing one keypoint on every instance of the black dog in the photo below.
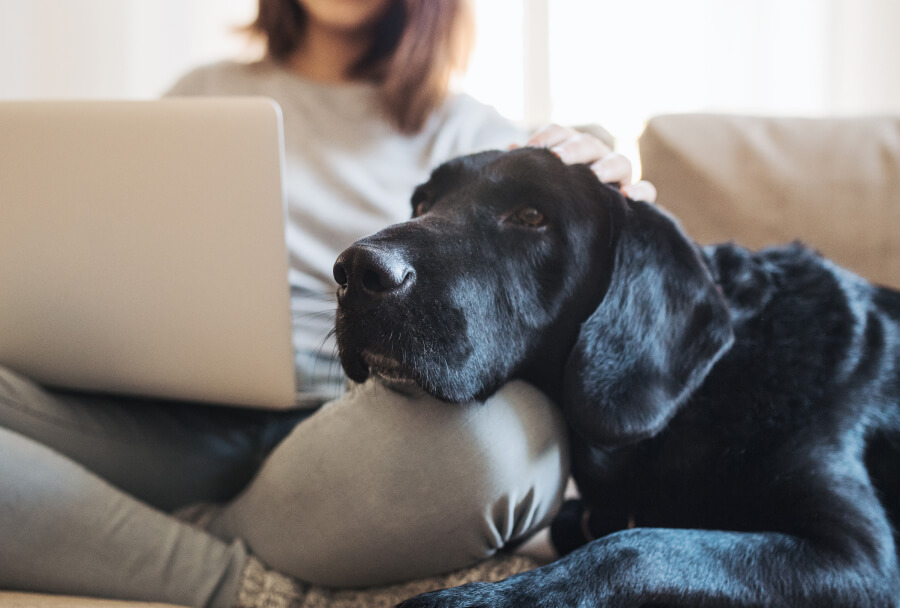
(735, 416)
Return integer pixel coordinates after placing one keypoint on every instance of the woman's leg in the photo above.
(167, 454)
(65, 529)
(381, 486)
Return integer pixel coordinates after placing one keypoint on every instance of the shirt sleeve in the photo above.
(188, 84)
(480, 127)
(221, 78)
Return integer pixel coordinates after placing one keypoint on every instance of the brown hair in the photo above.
(418, 46)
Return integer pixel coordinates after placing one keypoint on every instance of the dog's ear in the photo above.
(660, 327)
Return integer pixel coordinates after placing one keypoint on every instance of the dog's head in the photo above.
(517, 265)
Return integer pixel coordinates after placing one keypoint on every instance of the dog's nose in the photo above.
(373, 272)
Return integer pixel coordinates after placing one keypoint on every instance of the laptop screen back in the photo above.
(142, 249)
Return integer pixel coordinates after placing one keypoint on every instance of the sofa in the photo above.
(832, 183)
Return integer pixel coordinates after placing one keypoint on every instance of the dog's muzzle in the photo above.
(367, 275)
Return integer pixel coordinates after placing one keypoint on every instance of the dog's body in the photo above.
(735, 415)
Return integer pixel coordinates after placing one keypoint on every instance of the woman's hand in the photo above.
(574, 147)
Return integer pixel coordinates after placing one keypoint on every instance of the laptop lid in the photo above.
(142, 248)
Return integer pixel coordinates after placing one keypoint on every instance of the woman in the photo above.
(374, 487)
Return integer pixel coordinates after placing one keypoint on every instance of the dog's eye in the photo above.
(529, 216)
(421, 208)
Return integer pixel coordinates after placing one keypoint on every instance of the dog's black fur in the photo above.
(741, 409)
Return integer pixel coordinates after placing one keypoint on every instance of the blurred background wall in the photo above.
(569, 61)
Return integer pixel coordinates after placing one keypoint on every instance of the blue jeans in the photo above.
(374, 487)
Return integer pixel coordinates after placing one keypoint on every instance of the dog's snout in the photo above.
(373, 272)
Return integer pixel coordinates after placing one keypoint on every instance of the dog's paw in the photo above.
(471, 595)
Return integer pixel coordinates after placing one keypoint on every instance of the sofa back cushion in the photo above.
(834, 184)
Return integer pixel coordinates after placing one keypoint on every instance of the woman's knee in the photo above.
(381, 486)
(519, 464)
(499, 468)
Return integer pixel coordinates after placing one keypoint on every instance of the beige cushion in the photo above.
(832, 183)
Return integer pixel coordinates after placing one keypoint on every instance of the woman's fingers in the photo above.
(571, 146)
(549, 136)
(581, 148)
(574, 147)
(640, 191)
(613, 168)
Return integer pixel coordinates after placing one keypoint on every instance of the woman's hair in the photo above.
(418, 46)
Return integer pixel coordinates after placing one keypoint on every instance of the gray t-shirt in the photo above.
(349, 173)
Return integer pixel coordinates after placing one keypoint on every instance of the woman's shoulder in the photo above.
(478, 126)
(461, 104)
(222, 77)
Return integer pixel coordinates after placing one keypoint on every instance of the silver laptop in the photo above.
(142, 249)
